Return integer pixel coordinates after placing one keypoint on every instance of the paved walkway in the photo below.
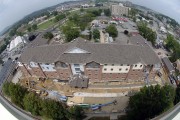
(102, 115)
(82, 94)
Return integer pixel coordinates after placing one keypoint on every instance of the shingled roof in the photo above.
(101, 53)
(139, 40)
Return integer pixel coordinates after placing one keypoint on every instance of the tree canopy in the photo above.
(15, 92)
(47, 108)
(76, 112)
(112, 30)
(173, 45)
(48, 35)
(177, 96)
(107, 12)
(150, 102)
(96, 34)
(59, 17)
(71, 31)
(34, 26)
(147, 33)
(32, 103)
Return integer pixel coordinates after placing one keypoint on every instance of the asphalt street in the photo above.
(6, 70)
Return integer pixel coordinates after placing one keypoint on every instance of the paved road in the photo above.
(6, 70)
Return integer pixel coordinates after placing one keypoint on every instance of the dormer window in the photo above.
(61, 65)
(92, 65)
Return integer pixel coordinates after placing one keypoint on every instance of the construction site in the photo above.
(103, 97)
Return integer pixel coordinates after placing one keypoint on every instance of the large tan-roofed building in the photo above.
(99, 62)
(119, 10)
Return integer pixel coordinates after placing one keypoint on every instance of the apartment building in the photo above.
(119, 10)
(99, 62)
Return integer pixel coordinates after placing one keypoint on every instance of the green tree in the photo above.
(55, 13)
(177, 97)
(112, 30)
(81, 10)
(150, 101)
(5, 89)
(17, 93)
(96, 34)
(34, 26)
(72, 34)
(107, 12)
(53, 110)
(32, 103)
(59, 17)
(95, 12)
(48, 35)
(29, 29)
(71, 31)
(12, 32)
(133, 12)
(76, 112)
(174, 46)
(147, 32)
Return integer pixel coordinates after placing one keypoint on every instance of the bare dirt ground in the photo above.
(97, 88)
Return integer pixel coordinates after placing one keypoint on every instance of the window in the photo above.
(135, 65)
(63, 65)
(47, 68)
(105, 69)
(140, 65)
(46, 64)
(120, 69)
(77, 69)
(76, 65)
(111, 69)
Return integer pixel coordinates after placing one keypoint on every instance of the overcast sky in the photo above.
(170, 8)
(14, 10)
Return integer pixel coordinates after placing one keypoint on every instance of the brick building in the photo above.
(99, 62)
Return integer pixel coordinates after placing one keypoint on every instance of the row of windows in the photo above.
(122, 65)
(136, 65)
(91, 74)
(113, 65)
(109, 77)
(105, 69)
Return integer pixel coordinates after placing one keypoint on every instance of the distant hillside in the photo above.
(35, 14)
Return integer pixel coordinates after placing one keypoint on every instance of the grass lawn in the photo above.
(46, 24)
